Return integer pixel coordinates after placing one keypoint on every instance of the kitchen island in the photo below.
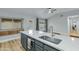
(67, 44)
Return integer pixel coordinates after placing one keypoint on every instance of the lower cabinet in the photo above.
(32, 45)
(35, 44)
(24, 41)
(39, 43)
(38, 48)
(49, 48)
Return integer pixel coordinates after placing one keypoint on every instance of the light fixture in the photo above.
(49, 11)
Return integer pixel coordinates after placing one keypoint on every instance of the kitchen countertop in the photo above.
(67, 44)
(74, 34)
(1, 30)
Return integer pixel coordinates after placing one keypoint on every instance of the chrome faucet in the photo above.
(51, 30)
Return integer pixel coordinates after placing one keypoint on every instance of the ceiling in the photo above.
(31, 12)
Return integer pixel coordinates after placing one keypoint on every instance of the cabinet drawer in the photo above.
(39, 43)
(48, 48)
(38, 48)
(3, 33)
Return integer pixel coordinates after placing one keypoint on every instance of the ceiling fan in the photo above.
(51, 10)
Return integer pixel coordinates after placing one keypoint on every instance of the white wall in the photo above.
(59, 24)
(27, 25)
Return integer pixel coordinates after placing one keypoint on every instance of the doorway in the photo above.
(73, 26)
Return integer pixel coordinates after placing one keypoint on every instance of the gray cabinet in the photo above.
(38, 48)
(24, 41)
(49, 48)
(35, 44)
(38, 43)
(32, 45)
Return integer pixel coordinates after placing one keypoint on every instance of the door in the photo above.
(42, 24)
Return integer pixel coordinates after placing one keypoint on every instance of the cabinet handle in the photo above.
(32, 43)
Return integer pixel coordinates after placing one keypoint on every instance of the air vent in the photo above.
(61, 15)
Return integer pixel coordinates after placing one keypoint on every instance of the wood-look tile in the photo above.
(13, 45)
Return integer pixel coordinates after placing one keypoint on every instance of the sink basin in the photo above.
(50, 39)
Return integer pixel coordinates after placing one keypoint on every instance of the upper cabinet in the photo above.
(10, 23)
(10, 26)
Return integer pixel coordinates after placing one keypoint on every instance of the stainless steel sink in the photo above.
(50, 39)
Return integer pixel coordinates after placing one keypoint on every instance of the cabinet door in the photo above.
(39, 43)
(48, 48)
(24, 41)
(38, 48)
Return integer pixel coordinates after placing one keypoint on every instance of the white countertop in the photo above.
(9, 37)
(67, 43)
